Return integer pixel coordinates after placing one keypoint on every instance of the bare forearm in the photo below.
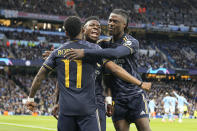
(57, 94)
(122, 73)
(41, 75)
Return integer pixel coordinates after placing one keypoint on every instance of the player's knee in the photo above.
(121, 126)
(143, 124)
(144, 128)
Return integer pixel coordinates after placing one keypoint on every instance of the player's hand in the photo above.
(74, 54)
(46, 54)
(55, 111)
(110, 110)
(146, 86)
(31, 106)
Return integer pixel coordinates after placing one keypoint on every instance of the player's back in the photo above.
(173, 101)
(151, 103)
(76, 80)
(166, 101)
(181, 101)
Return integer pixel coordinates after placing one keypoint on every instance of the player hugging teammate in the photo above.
(76, 62)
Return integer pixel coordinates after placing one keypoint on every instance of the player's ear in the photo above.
(83, 29)
(124, 25)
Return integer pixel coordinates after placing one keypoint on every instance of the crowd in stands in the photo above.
(12, 94)
(50, 7)
(23, 52)
(165, 12)
(182, 54)
(34, 36)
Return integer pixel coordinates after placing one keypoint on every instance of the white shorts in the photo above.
(172, 109)
(152, 110)
(181, 109)
(166, 110)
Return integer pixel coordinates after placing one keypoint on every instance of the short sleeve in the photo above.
(50, 63)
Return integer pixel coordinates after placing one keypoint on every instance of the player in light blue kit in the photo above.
(181, 102)
(166, 103)
(152, 107)
(173, 102)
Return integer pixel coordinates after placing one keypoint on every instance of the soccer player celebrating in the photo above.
(91, 31)
(130, 102)
(181, 102)
(166, 105)
(173, 102)
(152, 107)
(76, 82)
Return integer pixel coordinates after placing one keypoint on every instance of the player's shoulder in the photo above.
(64, 45)
(129, 40)
(90, 45)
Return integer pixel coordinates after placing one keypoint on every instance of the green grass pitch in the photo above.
(48, 123)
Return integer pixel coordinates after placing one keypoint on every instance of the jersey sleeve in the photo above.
(164, 99)
(185, 101)
(50, 63)
(176, 94)
(129, 47)
(132, 44)
(108, 53)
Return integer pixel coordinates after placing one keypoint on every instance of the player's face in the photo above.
(92, 30)
(116, 24)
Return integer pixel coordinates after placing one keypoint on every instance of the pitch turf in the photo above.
(43, 123)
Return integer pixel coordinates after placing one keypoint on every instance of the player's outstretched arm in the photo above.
(109, 53)
(124, 75)
(55, 110)
(41, 75)
(57, 94)
(176, 94)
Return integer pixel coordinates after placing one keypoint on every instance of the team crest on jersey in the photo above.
(127, 43)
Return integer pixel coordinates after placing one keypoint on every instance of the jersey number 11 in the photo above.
(79, 72)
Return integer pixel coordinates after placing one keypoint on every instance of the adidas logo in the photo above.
(142, 113)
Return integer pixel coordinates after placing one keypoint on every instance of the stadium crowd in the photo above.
(166, 12)
(34, 36)
(42, 7)
(19, 51)
(12, 96)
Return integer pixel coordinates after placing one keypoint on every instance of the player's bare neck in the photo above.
(90, 40)
(117, 37)
(78, 37)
